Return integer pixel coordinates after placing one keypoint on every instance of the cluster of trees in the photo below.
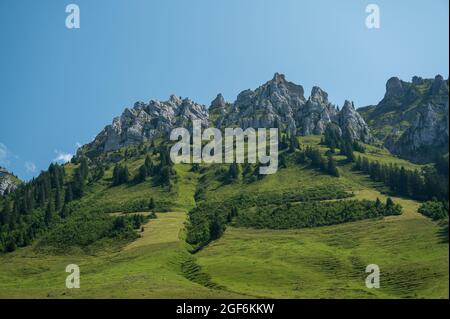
(145, 170)
(333, 138)
(47, 199)
(289, 142)
(315, 213)
(36, 205)
(314, 157)
(206, 224)
(161, 172)
(90, 227)
(164, 172)
(424, 184)
(249, 172)
(76, 188)
(209, 219)
(121, 174)
(434, 209)
(232, 173)
(122, 224)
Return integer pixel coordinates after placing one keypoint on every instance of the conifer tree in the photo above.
(332, 167)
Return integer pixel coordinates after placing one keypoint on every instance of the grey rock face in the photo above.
(316, 113)
(218, 102)
(352, 122)
(144, 122)
(277, 103)
(412, 118)
(7, 182)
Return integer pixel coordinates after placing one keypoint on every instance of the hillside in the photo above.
(141, 226)
(157, 262)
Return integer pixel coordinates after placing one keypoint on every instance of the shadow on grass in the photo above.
(443, 232)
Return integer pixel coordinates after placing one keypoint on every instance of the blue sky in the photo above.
(60, 87)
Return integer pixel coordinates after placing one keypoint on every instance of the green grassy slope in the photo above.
(329, 262)
(325, 262)
(150, 267)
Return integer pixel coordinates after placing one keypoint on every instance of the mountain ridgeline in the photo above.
(411, 121)
(277, 103)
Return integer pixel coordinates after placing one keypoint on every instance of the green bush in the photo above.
(313, 214)
(434, 209)
(208, 220)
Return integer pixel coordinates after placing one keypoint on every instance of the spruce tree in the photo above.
(68, 196)
(49, 213)
(57, 199)
(332, 167)
(151, 204)
(142, 174)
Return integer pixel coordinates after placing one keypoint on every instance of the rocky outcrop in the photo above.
(218, 111)
(8, 182)
(274, 104)
(351, 121)
(412, 118)
(280, 103)
(145, 122)
(316, 113)
(277, 103)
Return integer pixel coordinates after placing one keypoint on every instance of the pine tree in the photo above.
(78, 184)
(68, 196)
(49, 213)
(389, 203)
(164, 178)
(148, 164)
(64, 211)
(282, 162)
(332, 167)
(84, 168)
(116, 175)
(233, 172)
(151, 204)
(293, 144)
(57, 199)
(378, 203)
(5, 215)
(142, 174)
(125, 176)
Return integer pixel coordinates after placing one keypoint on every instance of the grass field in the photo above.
(322, 262)
(329, 262)
(150, 267)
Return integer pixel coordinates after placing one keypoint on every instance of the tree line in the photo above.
(424, 184)
(34, 206)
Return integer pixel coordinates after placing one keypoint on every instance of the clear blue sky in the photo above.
(60, 87)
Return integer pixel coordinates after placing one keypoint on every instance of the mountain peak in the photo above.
(348, 105)
(278, 78)
(319, 95)
(218, 102)
(394, 87)
(276, 102)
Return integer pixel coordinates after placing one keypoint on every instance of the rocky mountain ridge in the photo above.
(412, 118)
(277, 103)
